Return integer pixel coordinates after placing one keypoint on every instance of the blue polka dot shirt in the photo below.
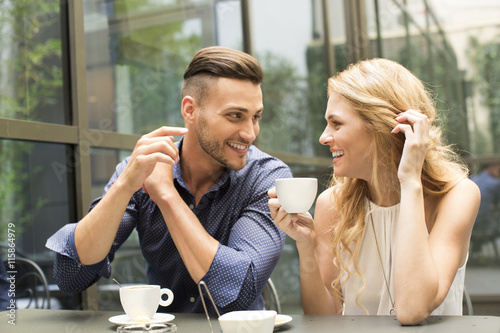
(234, 211)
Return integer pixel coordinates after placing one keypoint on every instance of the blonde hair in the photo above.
(378, 90)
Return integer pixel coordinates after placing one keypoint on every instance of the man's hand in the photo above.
(159, 182)
(152, 149)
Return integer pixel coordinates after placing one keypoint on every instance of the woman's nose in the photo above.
(325, 138)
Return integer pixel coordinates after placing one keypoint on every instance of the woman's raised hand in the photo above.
(416, 130)
(299, 226)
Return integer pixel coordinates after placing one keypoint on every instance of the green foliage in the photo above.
(317, 81)
(436, 66)
(431, 62)
(33, 74)
(129, 6)
(11, 185)
(156, 58)
(33, 80)
(285, 124)
(486, 58)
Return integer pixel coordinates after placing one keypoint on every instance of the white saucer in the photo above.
(158, 318)
(282, 320)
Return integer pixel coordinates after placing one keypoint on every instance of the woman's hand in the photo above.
(299, 227)
(416, 132)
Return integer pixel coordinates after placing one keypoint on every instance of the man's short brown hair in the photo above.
(218, 62)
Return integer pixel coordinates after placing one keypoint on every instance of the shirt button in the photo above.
(191, 206)
(192, 299)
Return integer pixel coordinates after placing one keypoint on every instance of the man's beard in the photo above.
(212, 147)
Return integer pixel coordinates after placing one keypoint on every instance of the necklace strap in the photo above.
(393, 309)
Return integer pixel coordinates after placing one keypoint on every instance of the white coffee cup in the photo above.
(296, 195)
(251, 321)
(140, 302)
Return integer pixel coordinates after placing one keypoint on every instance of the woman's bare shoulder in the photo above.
(325, 199)
(325, 209)
(465, 190)
(461, 202)
(469, 186)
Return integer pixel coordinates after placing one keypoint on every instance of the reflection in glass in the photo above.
(128, 265)
(137, 52)
(36, 196)
(31, 75)
(411, 36)
(291, 52)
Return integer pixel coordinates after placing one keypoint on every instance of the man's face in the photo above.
(228, 123)
(495, 171)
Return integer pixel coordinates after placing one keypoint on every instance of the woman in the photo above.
(391, 234)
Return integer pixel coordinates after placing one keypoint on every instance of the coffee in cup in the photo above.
(140, 302)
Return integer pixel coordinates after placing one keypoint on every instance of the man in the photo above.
(487, 226)
(203, 218)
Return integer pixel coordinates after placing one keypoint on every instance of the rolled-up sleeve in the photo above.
(69, 273)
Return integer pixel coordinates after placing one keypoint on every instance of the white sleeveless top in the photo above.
(375, 298)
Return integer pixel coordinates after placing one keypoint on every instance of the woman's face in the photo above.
(349, 140)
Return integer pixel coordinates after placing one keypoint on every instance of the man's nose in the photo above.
(249, 131)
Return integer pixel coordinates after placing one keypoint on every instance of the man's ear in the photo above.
(188, 108)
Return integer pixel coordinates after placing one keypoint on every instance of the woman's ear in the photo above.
(188, 108)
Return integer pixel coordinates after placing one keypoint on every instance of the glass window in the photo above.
(287, 42)
(410, 35)
(137, 52)
(128, 265)
(228, 24)
(476, 45)
(454, 48)
(338, 39)
(31, 75)
(36, 199)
